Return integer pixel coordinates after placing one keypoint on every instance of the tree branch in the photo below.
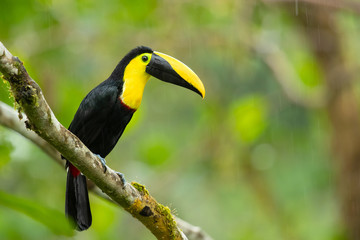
(9, 118)
(192, 232)
(133, 197)
(15, 121)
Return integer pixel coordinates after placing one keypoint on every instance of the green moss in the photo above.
(8, 87)
(160, 213)
(18, 64)
(140, 188)
(170, 221)
(30, 96)
(19, 110)
(25, 94)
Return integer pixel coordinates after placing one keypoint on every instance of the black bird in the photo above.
(104, 113)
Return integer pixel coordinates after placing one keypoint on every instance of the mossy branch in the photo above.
(9, 118)
(134, 198)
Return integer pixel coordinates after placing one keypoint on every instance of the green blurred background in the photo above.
(253, 160)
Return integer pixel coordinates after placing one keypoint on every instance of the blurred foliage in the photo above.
(59, 225)
(244, 163)
(248, 115)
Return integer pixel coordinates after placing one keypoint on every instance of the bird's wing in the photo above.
(93, 112)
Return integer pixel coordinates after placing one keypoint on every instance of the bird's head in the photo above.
(141, 63)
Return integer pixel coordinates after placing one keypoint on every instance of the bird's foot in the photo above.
(103, 162)
(121, 176)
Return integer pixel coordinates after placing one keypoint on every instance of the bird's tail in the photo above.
(77, 207)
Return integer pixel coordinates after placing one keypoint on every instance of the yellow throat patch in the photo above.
(135, 79)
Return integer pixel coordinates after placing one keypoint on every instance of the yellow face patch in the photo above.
(135, 79)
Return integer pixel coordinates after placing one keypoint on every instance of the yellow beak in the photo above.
(169, 69)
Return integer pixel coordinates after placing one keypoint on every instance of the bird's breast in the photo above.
(132, 91)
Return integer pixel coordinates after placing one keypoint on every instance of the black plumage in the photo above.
(99, 122)
(102, 116)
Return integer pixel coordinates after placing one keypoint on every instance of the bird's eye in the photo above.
(144, 58)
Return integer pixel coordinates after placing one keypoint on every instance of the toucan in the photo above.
(106, 110)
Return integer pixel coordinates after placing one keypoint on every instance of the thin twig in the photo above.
(16, 121)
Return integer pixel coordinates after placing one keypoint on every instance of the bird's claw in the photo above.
(103, 162)
(122, 177)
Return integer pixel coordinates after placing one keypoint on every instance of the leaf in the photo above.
(5, 150)
(248, 117)
(51, 218)
(307, 68)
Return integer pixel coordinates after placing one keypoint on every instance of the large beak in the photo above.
(169, 69)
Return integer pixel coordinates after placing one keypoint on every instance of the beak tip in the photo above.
(202, 91)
